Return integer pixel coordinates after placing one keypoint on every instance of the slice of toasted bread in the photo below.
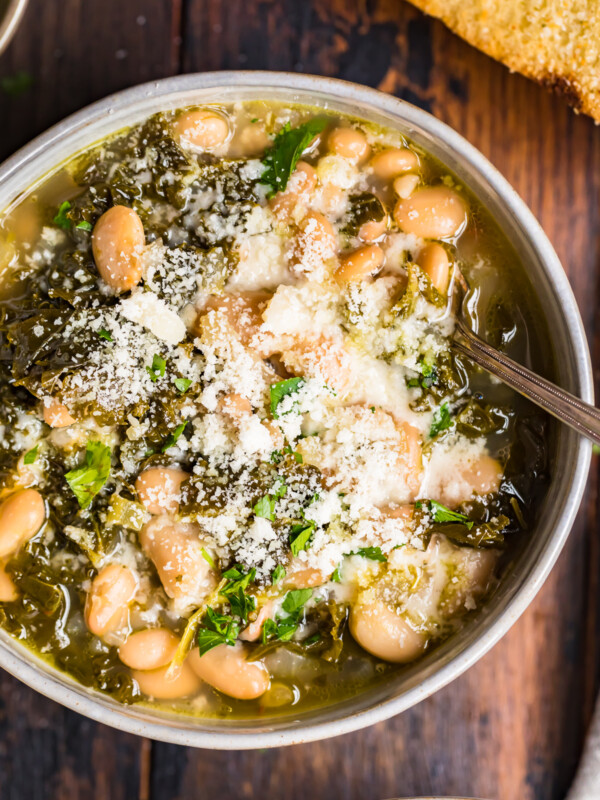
(556, 42)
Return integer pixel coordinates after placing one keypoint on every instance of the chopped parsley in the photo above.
(157, 370)
(104, 334)
(31, 455)
(278, 574)
(300, 536)
(335, 575)
(86, 481)
(441, 420)
(277, 455)
(281, 158)
(217, 629)
(441, 513)
(265, 507)
(283, 389)
(295, 600)
(182, 384)
(61, 218)
(235, 590)
(374, 553)
(173, 437)
(284, 627)
(84, 225)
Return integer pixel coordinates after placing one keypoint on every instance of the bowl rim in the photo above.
(10, 20)
(56, 686)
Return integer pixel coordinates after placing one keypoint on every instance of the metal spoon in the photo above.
(584, 418)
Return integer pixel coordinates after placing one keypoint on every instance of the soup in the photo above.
(243, 470)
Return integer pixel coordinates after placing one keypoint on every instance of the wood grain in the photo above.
(512, 727)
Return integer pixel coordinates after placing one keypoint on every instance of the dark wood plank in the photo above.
(512, 726)
(76, 52)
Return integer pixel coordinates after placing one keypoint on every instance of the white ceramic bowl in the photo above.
(571, 456)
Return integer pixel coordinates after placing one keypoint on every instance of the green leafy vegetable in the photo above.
(157, 370)
(104, 334)
(182, 384)
(281, 158)
(86, 481)
(374, 553)
(300, 536)
(31, 455)
(441, 513)
(173, 437)
(441, 420)
(84, 225)
(335, 575)
(217, 629)
(283, 389)
(61, 218)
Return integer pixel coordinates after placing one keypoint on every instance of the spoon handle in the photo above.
(581, 416)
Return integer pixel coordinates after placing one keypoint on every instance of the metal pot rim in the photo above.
(10, 20)
(43, 154)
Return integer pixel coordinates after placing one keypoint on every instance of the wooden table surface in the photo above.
(512, 727)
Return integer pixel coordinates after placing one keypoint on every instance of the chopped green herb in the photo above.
(104, 334)
(296, 599)
(281, 158)
(208, 558)
(283, 628)
(86, 481)
(235, 591)
(31, 455)
(316, 637)
(441, 513)
(173, 437)
(255, 119)
(283, 389)
(157, 370)
(217, 629)
(278, 574)
(16, 85)
(335, 575)
(280, 489)
(182, 384)
(277, 455)
(84, 225)
(61, 218)
(441, 420)
(300, 536)
(374, 553)
(372, 409)
(265, 507)
(413, 383)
